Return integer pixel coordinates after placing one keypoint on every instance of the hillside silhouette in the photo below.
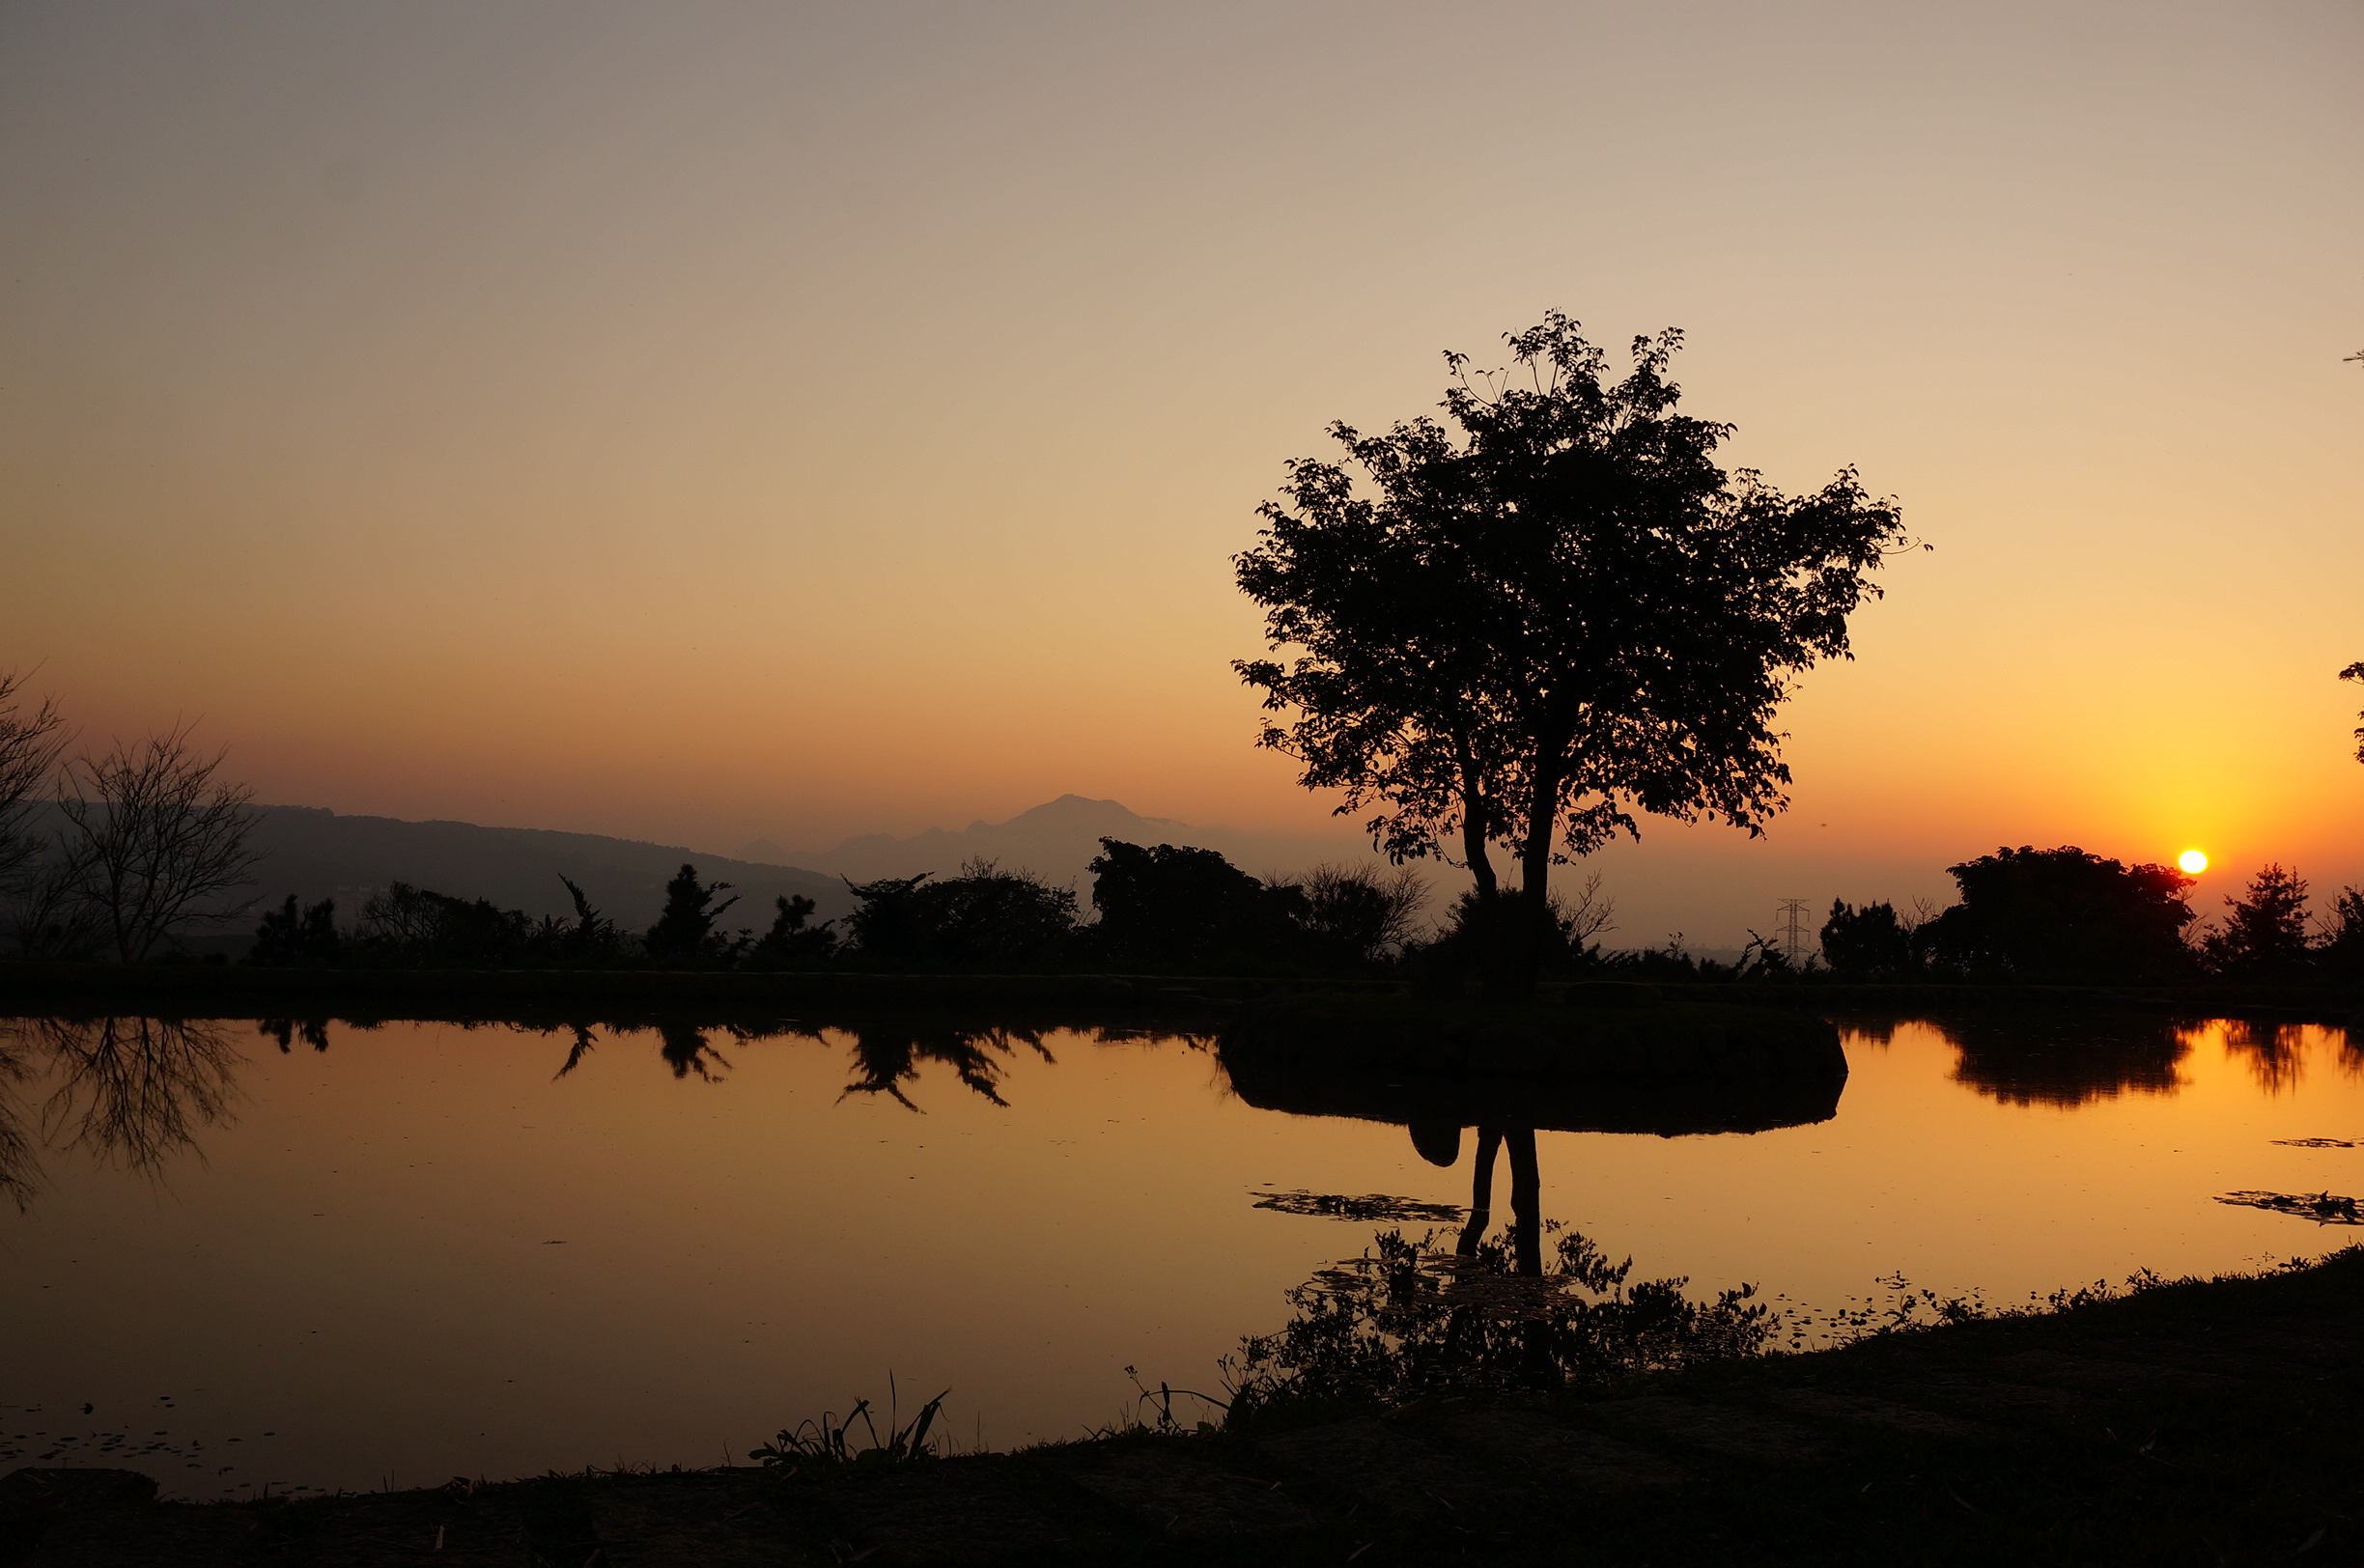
(316, 854)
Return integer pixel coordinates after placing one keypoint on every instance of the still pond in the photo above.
(241, 1254)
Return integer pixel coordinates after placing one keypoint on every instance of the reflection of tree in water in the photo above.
(2064, 1059)
(686, 1050)
(313, 1031)
(1415, 1315)
(1869, 1031)
(887, 1057)
(130, 1091)
(2276, 1052)
(20, 1163)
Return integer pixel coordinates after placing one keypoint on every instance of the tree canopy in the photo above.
(1525, 623)
(2064, 913)
(2355, 672)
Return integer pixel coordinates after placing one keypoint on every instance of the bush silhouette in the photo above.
(1870, 940)
(984, 915)
(2266, 936)
(2064, 913)
(1169, 906)
(686, 929)
(293, 938)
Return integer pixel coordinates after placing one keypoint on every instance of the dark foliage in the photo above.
(792, 942)
(2064, 913)
(1351, 916)
(984, 915)
(1414, 1317)
(417, 925)
(686, 928)
(593, 938)
(1866, 941)
(1167, 906)
(2340, 953)
(293, 938)
(2355, 672)
(2264, 937)
(1561, 613)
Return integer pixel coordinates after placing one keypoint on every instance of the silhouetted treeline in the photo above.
(2023, 916)
(1156, 909)
(2065, 914)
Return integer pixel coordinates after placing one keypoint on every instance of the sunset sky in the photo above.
(698, 422)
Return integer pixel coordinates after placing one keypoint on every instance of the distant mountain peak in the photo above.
(1056, 839)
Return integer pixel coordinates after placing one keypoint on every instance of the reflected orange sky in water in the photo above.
(419, 1251)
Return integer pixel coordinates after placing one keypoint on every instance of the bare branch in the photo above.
(157, 840)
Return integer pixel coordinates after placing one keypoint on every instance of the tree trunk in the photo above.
(1476, 824)
(1516, 937)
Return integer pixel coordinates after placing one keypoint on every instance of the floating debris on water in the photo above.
(1370, 1206)
(2324, 1208)
(2316, 1143)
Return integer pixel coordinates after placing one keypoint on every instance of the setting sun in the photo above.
(2193, 861)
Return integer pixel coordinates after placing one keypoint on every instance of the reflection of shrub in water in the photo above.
(884, 1059)
(2064, 1059)
(1413, 1317)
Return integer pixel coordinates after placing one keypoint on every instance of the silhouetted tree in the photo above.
(2064, 913)
(984, 915)
(2264, 937)
(685, 929)
(1566, 938)
(1169, 904)
(593, 937)
(1567, 615)
(417, 925)
(1870, 940)
(291, 936)
(791, 940)
(154, 840)
(2341, 951)
(1353, 914)
(2355, 672)
(30, 743)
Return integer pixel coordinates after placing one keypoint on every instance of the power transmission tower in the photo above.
(1794, 931)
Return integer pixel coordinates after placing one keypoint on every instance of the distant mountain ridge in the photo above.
(1057, 840)
(316, 854)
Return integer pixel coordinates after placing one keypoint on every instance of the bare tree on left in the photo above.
(156, 840)
(30, 743)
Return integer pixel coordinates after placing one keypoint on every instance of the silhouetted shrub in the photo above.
(791, 942)
(1870, 940)
(593, 940)
(686, 928)
(1187, 907)
(292, 938)
(2266, 936)
(416, 925)
(2064, 913)
(984, 915)
(1354, 915)
(2340, 954)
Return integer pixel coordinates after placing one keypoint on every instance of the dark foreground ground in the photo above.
(2202, 1424)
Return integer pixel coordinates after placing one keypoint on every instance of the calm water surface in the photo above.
(419, 1251)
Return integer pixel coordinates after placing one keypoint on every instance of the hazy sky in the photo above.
(701, 421)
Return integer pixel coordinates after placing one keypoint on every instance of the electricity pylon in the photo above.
(1794, 931)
